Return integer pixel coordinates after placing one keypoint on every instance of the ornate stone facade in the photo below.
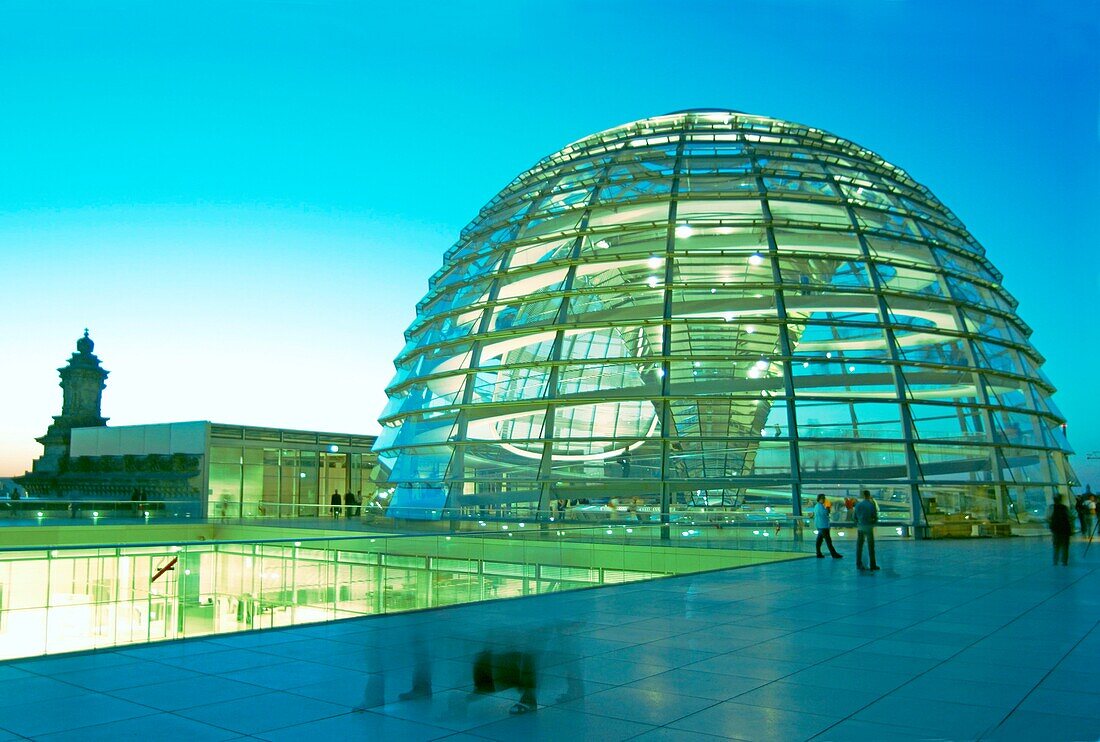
(83, 380)
(153, 479)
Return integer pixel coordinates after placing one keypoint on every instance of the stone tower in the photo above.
(82, 381)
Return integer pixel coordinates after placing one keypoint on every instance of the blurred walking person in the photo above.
(1061, 527)
(1083, 517)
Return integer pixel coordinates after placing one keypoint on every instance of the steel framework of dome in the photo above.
(714, 309)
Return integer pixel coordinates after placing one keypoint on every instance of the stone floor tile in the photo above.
(742, 721)
(667, 734)
(555, 725)
(160, 726)
(262, 713)
(950, 719)
(359, 726)
(1062, 703)
(709, 685)
(1030, 725)
(636, 704)
(39, 717)
(107, 679)
(199, 690)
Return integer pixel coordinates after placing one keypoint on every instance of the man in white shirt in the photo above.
(821, 523)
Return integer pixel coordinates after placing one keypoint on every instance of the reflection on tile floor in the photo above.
(954, 640)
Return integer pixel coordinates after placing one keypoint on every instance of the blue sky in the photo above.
(244, 200)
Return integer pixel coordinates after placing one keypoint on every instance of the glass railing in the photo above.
(43, 509)
(63, 599)
(712, 527)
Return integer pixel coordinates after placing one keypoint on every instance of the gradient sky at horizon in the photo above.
(243, 200)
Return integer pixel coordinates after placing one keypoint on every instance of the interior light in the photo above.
(851, 369)
(768, 509)
(697, 365)
(684, 231)
(95, 513)
(602, 244)
(297, 543)
(829, 354)
(652, 281)
(750, 329)
(754, 373)
(630, 530)
(762, 364)
(186, 572)
(333, 448)
(39, 513)
(756, 259)
(302, 475)
(841, 533)
(714, 291)
(654, 261)
(805, 364)
(728, 316)
(504, 527)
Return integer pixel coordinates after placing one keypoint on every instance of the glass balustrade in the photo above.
(79, 597)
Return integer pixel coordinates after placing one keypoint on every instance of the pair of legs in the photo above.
(1061, 548)
(869, 537)
(823, 534)
(510, 669)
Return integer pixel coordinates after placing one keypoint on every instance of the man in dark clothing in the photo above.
(1060, 530)
(866, 516)
(1081, 507)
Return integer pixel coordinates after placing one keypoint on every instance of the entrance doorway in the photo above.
(334, 479)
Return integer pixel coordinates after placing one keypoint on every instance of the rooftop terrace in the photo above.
(952, 640)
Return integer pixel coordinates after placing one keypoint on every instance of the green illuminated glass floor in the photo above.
(188, 581)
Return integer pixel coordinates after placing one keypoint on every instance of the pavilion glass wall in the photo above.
(281, 482)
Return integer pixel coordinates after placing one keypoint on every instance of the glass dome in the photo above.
(715, 310)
